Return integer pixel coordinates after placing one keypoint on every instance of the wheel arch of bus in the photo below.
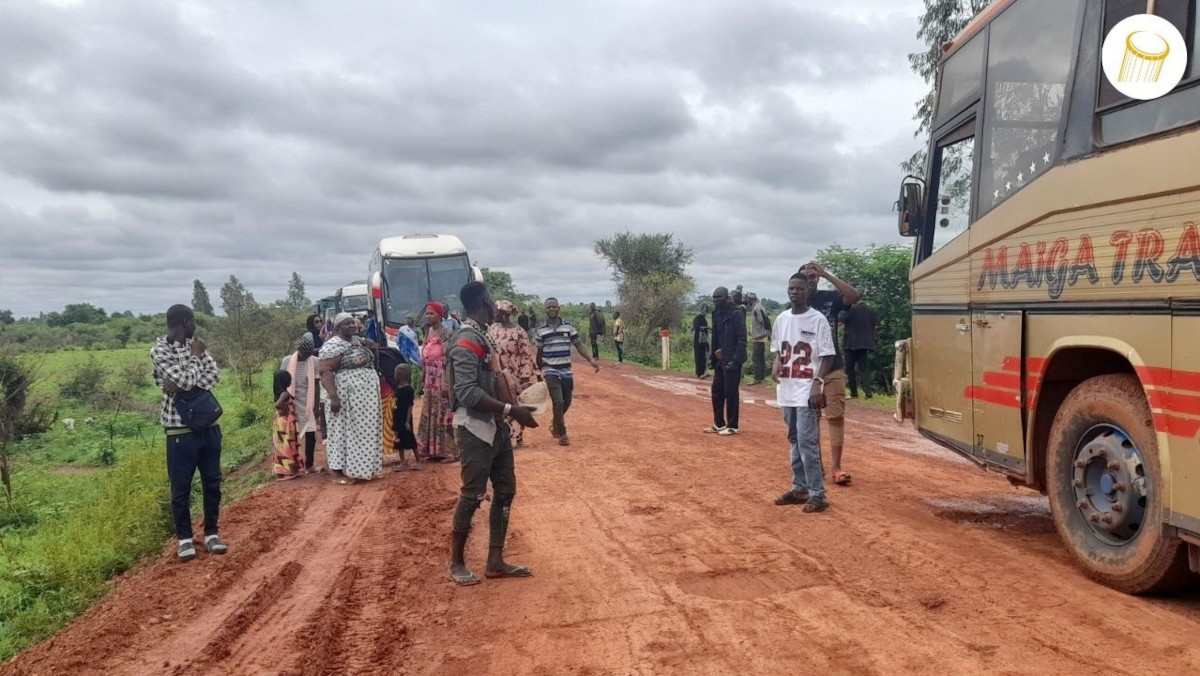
(1071, 360)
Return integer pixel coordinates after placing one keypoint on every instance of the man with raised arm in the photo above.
(832, 304)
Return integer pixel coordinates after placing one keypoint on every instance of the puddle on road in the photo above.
(1028, 514)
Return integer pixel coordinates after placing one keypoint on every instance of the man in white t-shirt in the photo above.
(802, 341)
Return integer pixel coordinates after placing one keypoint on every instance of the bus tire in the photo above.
(1103, 451)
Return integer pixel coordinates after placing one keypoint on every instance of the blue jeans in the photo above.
(804, 433)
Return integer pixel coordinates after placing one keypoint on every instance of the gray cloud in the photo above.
(148, 143)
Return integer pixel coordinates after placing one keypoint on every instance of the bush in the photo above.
(86, 382)
(248, 415)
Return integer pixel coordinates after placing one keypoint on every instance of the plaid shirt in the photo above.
(176, 363)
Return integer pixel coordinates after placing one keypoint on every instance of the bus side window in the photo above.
(954, 164)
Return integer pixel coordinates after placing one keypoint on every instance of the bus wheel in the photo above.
(1106, 488)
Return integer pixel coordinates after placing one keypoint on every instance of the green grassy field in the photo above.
(88, 504)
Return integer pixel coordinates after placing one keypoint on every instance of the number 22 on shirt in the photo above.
(796, 360)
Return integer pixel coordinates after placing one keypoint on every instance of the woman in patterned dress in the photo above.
(354, 447)
(516, 354)
(435, 434)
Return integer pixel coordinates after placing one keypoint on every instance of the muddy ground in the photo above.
(656, 550)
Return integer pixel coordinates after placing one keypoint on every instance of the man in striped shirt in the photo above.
(554, 340)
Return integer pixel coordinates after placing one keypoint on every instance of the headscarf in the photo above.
(506, 307)
(341, 317)
(306, 342)
(438, 309)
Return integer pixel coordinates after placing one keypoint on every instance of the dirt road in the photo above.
(656, 550)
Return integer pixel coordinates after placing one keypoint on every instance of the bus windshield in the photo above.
(354, 303)
(410, 283)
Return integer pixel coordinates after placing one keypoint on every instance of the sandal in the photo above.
(347, 482)
(511, 571)
(466, 580)
(842, 478)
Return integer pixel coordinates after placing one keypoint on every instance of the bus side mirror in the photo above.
(911, 206)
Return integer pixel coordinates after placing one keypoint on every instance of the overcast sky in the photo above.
(146, 143)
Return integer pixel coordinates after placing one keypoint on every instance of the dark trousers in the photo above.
(726, 399)
(187, 453)
(310, 449)
(858, 371)
(561, 390)
(620, 351)
(760, 361)
(482, 462)
(595, 345)
(700, 353)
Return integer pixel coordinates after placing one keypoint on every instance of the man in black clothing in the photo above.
(596, 328)
(728, 356)
(700, 341)
(832, 304)
(861, 325)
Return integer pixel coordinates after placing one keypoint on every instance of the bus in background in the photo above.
(408, 272)
(326, 308)
(1056, 282)
(353, 298)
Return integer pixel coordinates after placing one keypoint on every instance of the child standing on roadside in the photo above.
(402, 418)
(286, 459)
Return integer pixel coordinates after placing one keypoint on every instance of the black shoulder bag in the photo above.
(198, 409)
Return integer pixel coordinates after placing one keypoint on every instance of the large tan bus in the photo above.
(1056, 282)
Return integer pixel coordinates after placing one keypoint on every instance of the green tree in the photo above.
(653, 286)
(235, 298)
(200, 300)
(942, 20)
(77, 313)
(631, 255)
(6, 318)
(880, 273)
(296, 298)
(501, 286)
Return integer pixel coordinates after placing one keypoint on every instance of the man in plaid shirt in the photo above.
(181, 364)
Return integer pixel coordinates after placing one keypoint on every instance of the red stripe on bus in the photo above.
(1010, 381)
(1176, 426)
(1032, 364)
(1157, 376)
(1174, 402)
(991, 396)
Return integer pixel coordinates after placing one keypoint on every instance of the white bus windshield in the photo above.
(354, 303)
(410, 283)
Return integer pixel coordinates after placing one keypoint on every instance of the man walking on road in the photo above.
(181, 365)
(804, 347)
(700, 341)
(861, 326)
(760, 334)
(619, 336)
(728, 356)
(484, 439)
(596, 328)
(554, 340)
(831, 304)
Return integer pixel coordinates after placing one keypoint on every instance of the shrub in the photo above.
(85, 382)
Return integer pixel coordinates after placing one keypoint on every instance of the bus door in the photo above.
(998, 388)
(941, 344)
